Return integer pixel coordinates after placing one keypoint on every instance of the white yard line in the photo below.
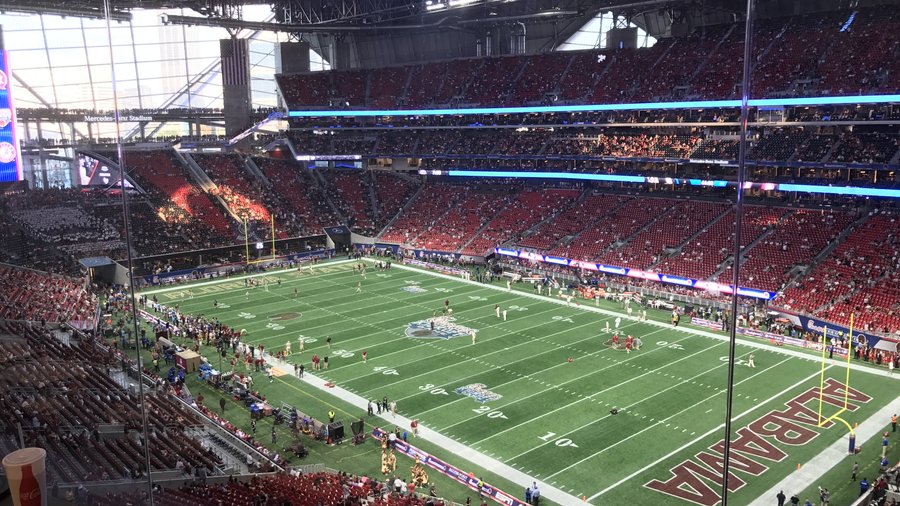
(702, 436)
(454, 447)
(521, 376)
(539, 392)
(233, 278)
(613, 387)
(721, 337)
(476, 359)
(835, 454)
(659, 422)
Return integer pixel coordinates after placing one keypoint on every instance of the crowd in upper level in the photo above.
(799, 55)
(784, 145)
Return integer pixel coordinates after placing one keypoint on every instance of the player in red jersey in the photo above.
(615, 340)
(629, 343)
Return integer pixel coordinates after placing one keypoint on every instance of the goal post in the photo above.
(271, 228)
(836, 417)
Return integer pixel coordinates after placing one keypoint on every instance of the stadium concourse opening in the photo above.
(450, 252)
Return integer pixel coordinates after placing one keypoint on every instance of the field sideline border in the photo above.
(473, 456)
(813, 469)
(225, 279)
(817, 464)
(606, 312)
(834, 455)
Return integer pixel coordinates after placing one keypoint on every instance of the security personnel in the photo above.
(331, 416)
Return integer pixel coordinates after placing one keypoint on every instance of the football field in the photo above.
(536, 392)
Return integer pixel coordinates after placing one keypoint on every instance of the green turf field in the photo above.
(516, 399)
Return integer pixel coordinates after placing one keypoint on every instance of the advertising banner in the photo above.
(467, 479)
(10, 159)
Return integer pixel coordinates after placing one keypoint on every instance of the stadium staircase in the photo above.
(592, 223)
(293, 149)
(196, 172)
(714, 51)
(834, 147)
(677, 249)
(254, 169)
(652, 68)
(483, 226)
(450, 208)
(206, 183)
(401, 211)
(321, 182)
(796, 152)
(537, 226)
(896, 158)
(727, 261)
(826, 252)
(373, 197)
(624, 241)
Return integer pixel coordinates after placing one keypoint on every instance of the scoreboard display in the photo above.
(94, 172)
(10, 157)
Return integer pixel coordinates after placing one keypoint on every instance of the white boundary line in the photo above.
(459, 449)
(606, 312)
(834, 455)
(702, 436)
(659, 422)
(611, 387)
(190, 286)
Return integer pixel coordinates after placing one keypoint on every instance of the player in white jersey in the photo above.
(606, 329)
(618, 322)
(287, 348)
(302, 342)
(643, 315)
(628, 310)
(508, 285)
(359, 287)
(497, 310)
(504, 315)
(474, 337)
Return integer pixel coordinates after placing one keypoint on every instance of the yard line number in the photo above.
(561, 442)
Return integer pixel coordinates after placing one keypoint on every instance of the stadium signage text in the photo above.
(697, 480)
(109, 118)
(444, 328)
(479, 392)
(636, 273)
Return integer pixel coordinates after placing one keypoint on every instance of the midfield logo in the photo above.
(444, 328)
(413, 289)
(479, 392)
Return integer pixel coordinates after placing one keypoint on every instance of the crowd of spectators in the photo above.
(784, 144)
(37, 296)
(303, 200)
(858, 277)
(705, 64)
(62, 394)
(291, 488)
(65, 220)
(178, 200)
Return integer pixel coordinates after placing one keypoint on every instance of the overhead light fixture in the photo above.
(462, 3)
(435, 7)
